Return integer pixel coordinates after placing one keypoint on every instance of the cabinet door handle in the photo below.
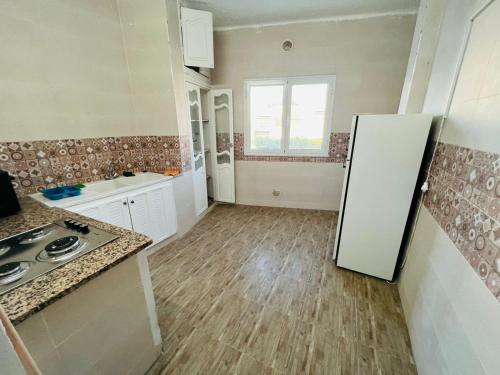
(125, 203)
(132, 202)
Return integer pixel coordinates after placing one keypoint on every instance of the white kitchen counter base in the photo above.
(103, 189)
(102, 327)
(143, 203)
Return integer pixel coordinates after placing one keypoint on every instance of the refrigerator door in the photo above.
(385, 160)
(347, 166)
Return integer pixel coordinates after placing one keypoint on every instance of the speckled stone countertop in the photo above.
(33, 296)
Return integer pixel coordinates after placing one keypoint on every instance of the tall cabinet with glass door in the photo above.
(211, 120)
(198, 157)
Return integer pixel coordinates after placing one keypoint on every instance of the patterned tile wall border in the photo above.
(44, 164)
(464, 198)
(337, 151)
(222, 142)
(185, 152)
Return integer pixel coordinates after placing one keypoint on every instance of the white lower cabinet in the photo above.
(109, 210)
(150, 211)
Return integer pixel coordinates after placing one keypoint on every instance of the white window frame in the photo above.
(287, 96)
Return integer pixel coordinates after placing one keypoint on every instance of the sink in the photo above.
(124, 182)
(142, 178)
(106, 186)
(102, 189)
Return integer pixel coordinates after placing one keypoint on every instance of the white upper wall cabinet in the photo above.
(197, 38)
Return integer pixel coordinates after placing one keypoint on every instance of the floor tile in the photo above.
(249, 366)
(202, 354)
(254, 290)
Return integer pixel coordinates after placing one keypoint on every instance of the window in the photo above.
(289, 116)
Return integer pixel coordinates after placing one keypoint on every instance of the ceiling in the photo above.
(238, 13)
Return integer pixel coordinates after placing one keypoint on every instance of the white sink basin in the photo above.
(142, 178)
(106, 186)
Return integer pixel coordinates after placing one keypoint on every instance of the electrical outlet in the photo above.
(276, 193)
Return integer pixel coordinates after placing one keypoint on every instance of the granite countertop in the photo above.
(33, 296)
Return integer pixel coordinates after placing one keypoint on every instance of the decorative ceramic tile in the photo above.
(464, 198)
(45, 164)
(185, 152)
(337, 151)
(222, 141)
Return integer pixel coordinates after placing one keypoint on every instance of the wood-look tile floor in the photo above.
(253, 290)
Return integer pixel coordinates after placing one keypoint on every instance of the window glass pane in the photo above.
(307, 117)
(266, 109)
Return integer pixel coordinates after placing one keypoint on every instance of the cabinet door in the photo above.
(116, 212)
(199, 171)
(197, 38)
(113, 211)
(141, 221)
(153, 212)
(221, 116)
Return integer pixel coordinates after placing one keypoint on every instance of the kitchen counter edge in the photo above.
(29, 298)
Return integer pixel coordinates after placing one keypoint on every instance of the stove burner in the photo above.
(62, 249)
(10, 272)
(9, 269)
(4, 249)
(43, 249)
(62, 245)
(33, 236)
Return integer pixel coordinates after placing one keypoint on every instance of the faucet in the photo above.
(111, 171)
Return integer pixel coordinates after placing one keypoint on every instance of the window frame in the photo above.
(288, 83)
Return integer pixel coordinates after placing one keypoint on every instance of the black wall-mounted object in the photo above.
(9, 204)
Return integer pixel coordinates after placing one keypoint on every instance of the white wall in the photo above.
(148, 55)
(65, 73)
(451, 314)
(453, 33)
(369, 58)
(473, 120)
(302, 185)
(423, 49)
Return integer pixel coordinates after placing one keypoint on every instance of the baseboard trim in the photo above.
(288, 204)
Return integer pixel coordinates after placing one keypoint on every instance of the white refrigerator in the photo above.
(383, 163)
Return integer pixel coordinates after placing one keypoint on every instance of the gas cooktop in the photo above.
(27, 255)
